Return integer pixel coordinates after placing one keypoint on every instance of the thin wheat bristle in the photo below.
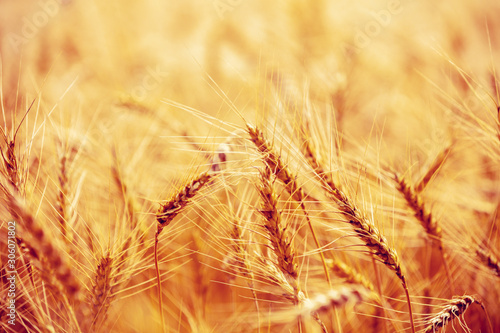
(454, 309)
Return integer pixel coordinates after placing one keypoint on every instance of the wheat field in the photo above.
(250, 166)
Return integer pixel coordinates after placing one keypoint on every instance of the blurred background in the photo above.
(389, 72)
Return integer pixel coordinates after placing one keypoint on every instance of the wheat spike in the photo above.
(454, 309)
(434, 168)
(422, 214)
(349, 274)
(489, 260)
(280, 241)
(363, 227)
(167, 212)
(179, 200)
(275, 163)
(101, 290)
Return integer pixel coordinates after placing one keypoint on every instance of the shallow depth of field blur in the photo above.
(130, 100)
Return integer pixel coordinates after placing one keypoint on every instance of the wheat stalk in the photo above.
(168, 211)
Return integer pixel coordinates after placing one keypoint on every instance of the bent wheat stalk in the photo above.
(167, 212)
(364, 228)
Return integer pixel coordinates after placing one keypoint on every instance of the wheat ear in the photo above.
(101, 290)
(54, 268)
(242, 263)
(489, 260)
(364, 228)
(434, 168)
(9, 159)
(335, 298)
(349, 274)
(426, 219)
(369, 234)
(45, 248)
(278, 236)
(280, 241)
(275, 163)
(416, 203)
(167, 212)
(454, 309)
